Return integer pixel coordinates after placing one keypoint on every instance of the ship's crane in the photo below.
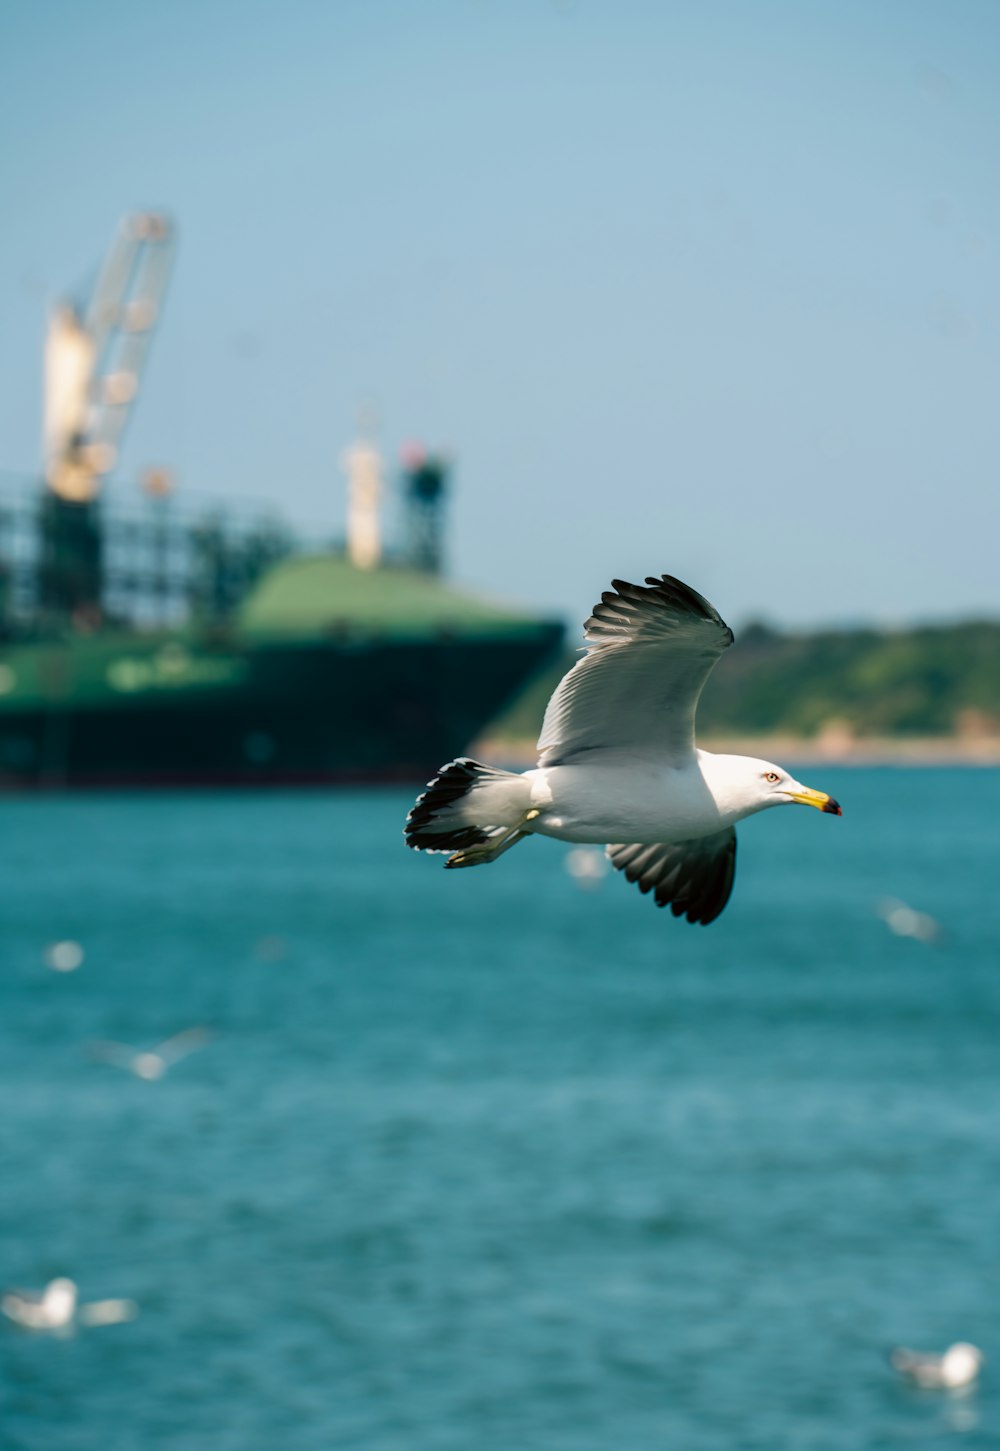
(94, 358)
(93, 363)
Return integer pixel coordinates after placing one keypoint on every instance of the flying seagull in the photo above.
(618, 763)
(57, 1308)
(151, 1063)
(958, 1366)
(906, 921)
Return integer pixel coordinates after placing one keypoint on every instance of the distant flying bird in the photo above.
(57, 1307)
(587, 866)
(958, 1366)
(64, 956)
(618, 761)
(153, 1062)
(905, 921)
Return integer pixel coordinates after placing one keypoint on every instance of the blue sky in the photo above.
(705, 288)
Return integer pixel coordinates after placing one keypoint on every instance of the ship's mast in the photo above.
(362, 463)
(425, 481)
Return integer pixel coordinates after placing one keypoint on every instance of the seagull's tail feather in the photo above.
(468, 805)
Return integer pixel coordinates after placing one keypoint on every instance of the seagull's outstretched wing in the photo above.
(650, 650)
(183, 1043)
(122, 1055)
(25, 1308)
(694, 877)
(108, 1312)
(908, 1362)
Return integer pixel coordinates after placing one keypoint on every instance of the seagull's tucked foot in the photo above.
(476, 811)
(477, 856)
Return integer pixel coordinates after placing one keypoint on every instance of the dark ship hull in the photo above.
(309, 713)
(325, 673)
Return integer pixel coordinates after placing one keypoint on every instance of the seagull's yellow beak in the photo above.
(819, 799)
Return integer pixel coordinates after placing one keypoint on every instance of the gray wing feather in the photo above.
(693, 878)
(650, 649)
(120, 1054)
(189, 1040)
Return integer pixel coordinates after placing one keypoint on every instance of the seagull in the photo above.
(57, 1308)
(906, 921)
(618, 762)
(153, 1063)
(64, 956)
(959, 1366)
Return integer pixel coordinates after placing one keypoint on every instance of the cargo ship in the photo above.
(162, 645)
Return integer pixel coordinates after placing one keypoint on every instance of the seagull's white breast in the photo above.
(612, 797)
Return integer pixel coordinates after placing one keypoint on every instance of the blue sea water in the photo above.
(481, 1161)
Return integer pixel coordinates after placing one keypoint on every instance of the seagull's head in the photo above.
(961, 1362)
(749, 785)
(775, 787)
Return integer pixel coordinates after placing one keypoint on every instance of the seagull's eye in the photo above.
(771, 776)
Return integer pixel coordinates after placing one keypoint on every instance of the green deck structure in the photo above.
(316, 594)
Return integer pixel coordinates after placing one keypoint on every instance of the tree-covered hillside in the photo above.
(936, 680)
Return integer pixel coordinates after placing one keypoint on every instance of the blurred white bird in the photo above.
(153, 1062)
(958, 1366)
(907, 922)
(57, 1308)
(587, 865)
(64, 956)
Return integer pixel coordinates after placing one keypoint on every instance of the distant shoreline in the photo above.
(832, 748)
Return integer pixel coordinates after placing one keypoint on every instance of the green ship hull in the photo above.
(326, 674)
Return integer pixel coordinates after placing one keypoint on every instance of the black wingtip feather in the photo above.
(611, 616)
